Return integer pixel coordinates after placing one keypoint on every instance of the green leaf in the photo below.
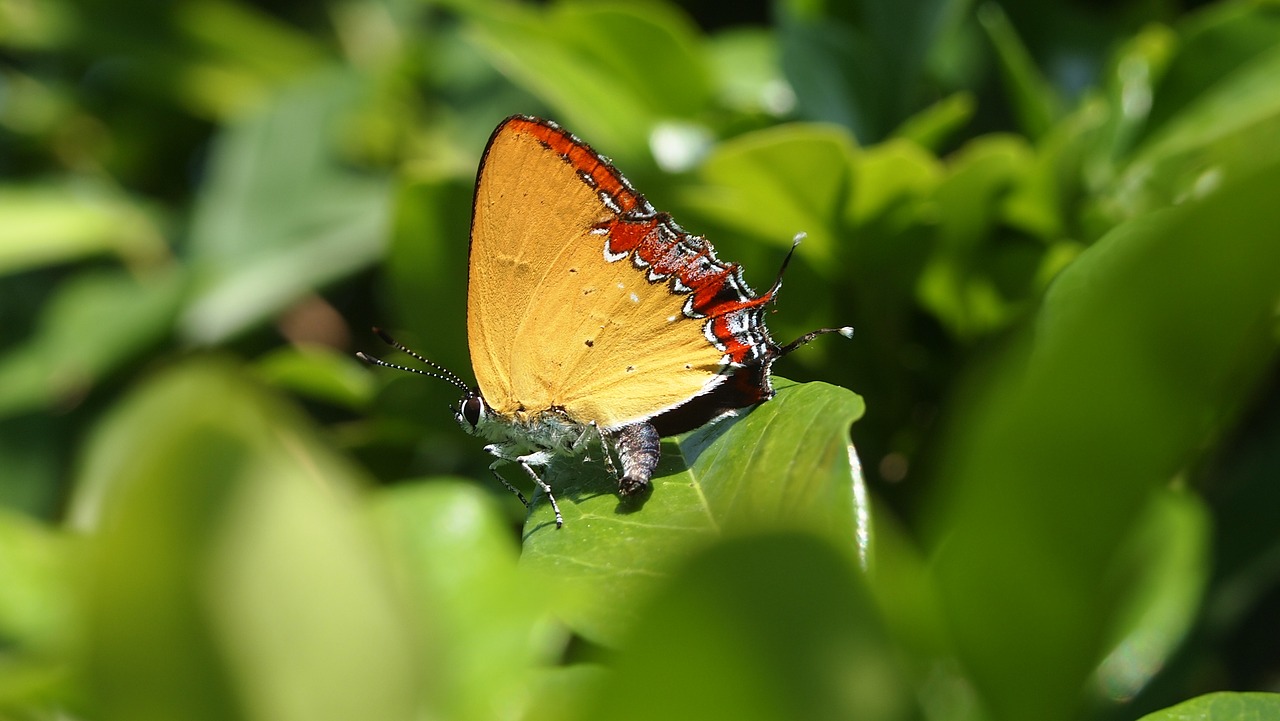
(245, 55)
(1222, 706)
(48, 26)
(837, 73)
(889, 176)
(96, 322)
(774, 626)
(772, 184)
(610, 70)
(50, 224)
(969, 283)
(861, 65)
(1145, 347)
(1167, 560)
(453, 552)
(38, 624)
(228, 571)
(426, 269)
(320, 373)
(786, 464)
(1212, 44)
(747, 77)
(935, 125)
(1226, 133)
(1033, 98)
(282, 213)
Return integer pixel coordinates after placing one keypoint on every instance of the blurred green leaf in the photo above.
(454, 553)
(1129, 90)
(229, 573)
(890, 218)
(1222, 706)
(610, 70)
(861, 65)
(744, 62)
(282, 213)
(243, 54)
(936, 124)
(50, 224)
(1226, 133)
(962, 283)
(426, 270)
(901, 581)
(33, 456)
(1212, 45)
(566, 692)
(34, 106)
(1034, 101)
(1166, 564)
(740, 633)
(772, 184)
(320, 373)
(95, 323)
(1145, 346)
(38, 626)
(889, 176)
(31, 25)
(836, 73)
(786, 464)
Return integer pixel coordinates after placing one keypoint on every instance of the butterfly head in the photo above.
(472, 412)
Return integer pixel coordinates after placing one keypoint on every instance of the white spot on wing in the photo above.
(709, 334)
(610, 256)
(688, 309)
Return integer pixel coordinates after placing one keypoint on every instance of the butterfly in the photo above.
(593, 317)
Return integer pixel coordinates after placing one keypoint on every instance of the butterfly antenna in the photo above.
(444, 374)
(846, 331)
(777, 283)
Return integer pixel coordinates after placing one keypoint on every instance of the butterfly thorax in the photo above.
(550, 431)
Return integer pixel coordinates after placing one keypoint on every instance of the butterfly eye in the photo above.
(470, 409)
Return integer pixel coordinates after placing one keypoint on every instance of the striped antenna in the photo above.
(444, 374)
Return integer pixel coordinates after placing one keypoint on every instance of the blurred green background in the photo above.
(1055, 226)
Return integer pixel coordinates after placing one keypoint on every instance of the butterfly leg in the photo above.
(539, 458)
(524, 463)
(493, 467)
(639, 448)
(604, 448)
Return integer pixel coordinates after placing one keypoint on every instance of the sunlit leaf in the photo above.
(1222, 706)
(775, 183)
(610, 70)
(786, 464)
(59, 224)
